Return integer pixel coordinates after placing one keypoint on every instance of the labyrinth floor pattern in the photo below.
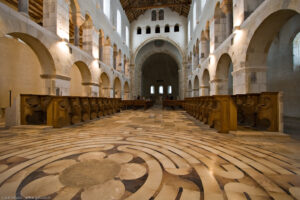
(154, 154)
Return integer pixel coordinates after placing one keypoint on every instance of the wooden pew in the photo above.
(61, 111)
(34, 109)
(135, 104)
(172, 104)
(225, 112)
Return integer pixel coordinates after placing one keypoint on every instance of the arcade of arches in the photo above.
(183, 57)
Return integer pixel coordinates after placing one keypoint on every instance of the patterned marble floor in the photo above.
(154, 154)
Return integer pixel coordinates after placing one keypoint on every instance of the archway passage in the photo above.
(80, 76)
(159, 74)
(205, 84)
(104, 85)
(270, 53)
(126, 91)
(117, 88)
(224, 76)
(24, 60)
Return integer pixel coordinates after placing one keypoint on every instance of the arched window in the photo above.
(161, 89)
(296, 52)
(127, 36)
(189, 30)
(152, 89)
(139, 31)
(167, 29)
(176, 28)
(106, 8)
(203, 4)
(119, 23)
(161, 15)
(157, 29)
(148, 30)
(153, 15)
(170, 89)
(194, 16)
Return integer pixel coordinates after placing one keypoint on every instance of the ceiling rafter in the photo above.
(134, 8)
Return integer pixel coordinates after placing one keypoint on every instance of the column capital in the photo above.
(226, 6)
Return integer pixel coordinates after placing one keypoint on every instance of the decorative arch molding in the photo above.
(267, 12)
(157, 38)
(144, 51)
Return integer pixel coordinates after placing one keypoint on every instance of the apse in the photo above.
(160, 77)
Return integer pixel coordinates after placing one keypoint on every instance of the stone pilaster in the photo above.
(56, 17)
(119, 62)
(219, 87)
(250, 80)
(108, 55)
(91, 40)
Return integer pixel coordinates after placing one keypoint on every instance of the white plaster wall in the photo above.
(171, 18)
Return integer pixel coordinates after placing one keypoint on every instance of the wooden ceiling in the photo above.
(35, 9)
(134, 8)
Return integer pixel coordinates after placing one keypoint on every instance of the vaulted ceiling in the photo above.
(134, 8)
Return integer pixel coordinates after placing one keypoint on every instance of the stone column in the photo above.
(56, 17)
(76, 35)
(23, 6)
(78, 20)
(205, 48)
(227, 9)
(91, 40)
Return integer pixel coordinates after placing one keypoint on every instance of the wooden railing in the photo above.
(135, 104)
(60, 111)
(225, 113)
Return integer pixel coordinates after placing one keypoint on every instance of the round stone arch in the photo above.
(81, 79)
(147, 49)
(126, 89)
(117, 87)
(45, 58)
(257, 39)
(196, 86)
(104, 84)
(223, 80)
(27, 68)
(205, 83)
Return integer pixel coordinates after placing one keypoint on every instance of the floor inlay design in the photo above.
(154, 154)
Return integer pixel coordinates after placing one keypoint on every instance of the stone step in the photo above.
(259, 134)
(31, 127)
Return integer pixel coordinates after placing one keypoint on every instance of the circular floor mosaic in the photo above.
(162, 155)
